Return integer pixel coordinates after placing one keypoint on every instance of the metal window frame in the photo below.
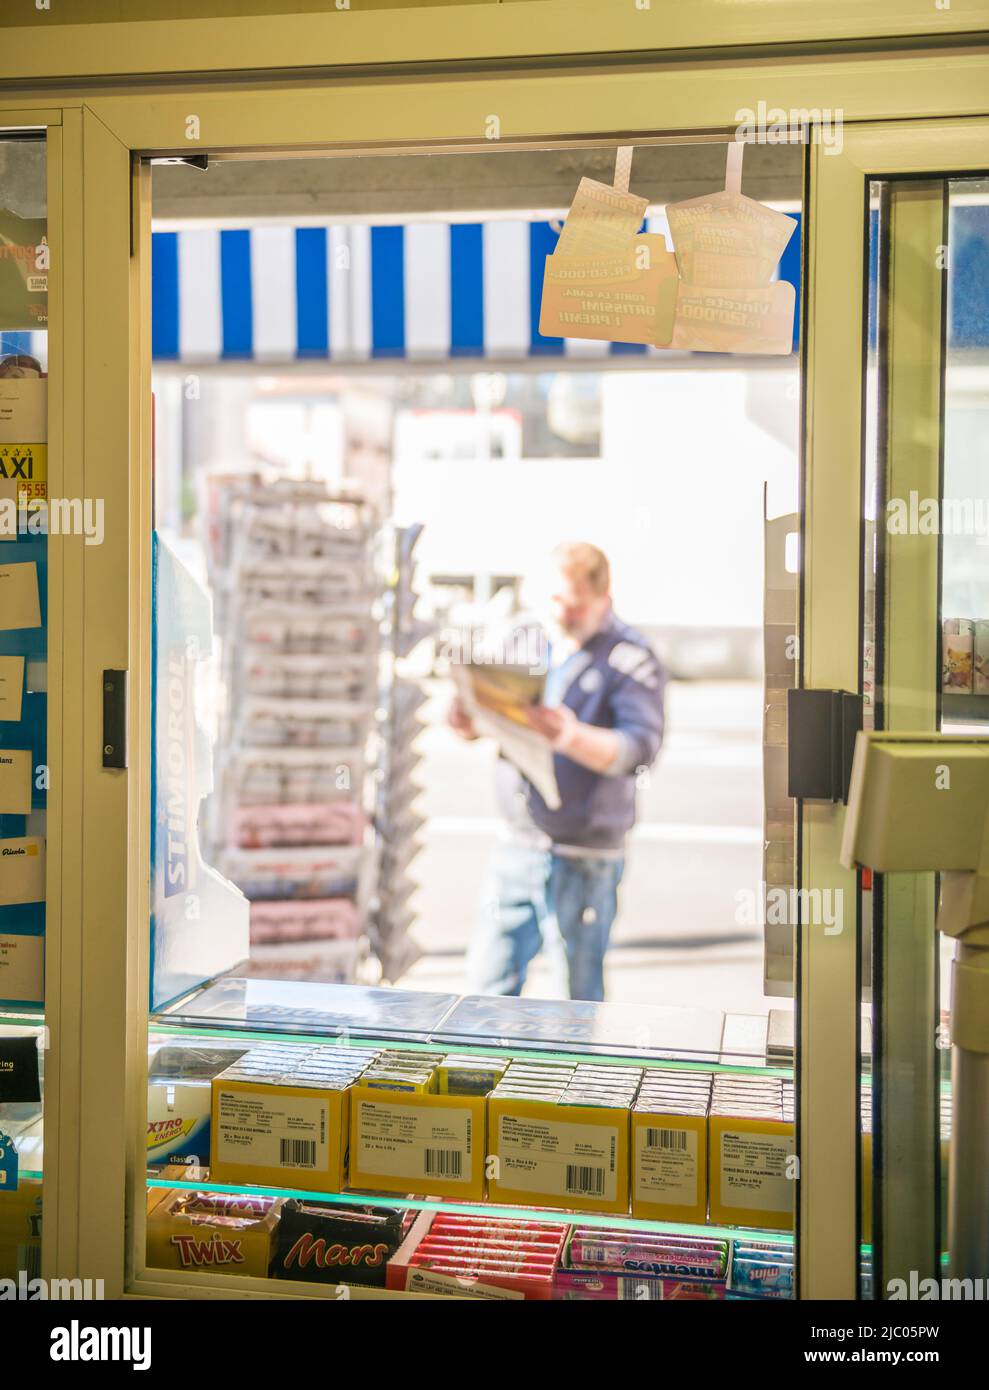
(373, 36)
(835, 435)
(97, 966)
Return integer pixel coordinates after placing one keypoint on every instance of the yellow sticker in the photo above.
(25, 465)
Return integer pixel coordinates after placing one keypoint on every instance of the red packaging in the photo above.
(508, 1256)
(440, 1252)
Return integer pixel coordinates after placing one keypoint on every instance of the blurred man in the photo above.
(554, 879)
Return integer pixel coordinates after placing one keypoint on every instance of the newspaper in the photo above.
(497, 698)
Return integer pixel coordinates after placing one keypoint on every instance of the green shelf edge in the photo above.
(609, 1220)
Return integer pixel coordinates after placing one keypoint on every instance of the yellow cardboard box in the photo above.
(749, 1171)
(212, 1231)
(545, 1154)
(669, 1163)
(279, 1135)
(433, 1145)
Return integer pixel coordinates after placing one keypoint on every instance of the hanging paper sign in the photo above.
(710, 318)
(714, 293)
(728, 239)
(626, 298)
(727, 248)
(602, 221)
(23, 272)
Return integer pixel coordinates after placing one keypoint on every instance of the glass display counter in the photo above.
(371, 1140)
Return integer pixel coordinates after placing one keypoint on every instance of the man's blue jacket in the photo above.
(615, 681)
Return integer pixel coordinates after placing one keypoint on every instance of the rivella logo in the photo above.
(310, 1249)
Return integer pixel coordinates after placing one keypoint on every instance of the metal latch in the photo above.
(821, 729)
(115, 719)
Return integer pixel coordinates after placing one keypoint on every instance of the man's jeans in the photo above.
(536, 899)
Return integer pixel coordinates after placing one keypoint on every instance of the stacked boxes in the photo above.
(669, 1146)
(280, 1115)
(405, 1136)
(469, 1076)
(396, 1070)
(751, 1134)
(559, 1136)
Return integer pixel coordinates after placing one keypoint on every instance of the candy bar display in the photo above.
(325, 1244)
(642, 1252)
(678, 1146)
(312, 618)
(210, 1230)
(452, 1254)
(446, 1253)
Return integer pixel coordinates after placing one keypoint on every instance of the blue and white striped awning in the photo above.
(424, 292)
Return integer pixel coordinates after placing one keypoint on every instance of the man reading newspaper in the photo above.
(553, 881)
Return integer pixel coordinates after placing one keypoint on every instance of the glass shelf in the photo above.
(486, 1210)
(650, 1035)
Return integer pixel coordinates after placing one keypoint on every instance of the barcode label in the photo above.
(297, 1153)
(443, 1163)
(673, 1139)
(585, 1179)
(641, 1290)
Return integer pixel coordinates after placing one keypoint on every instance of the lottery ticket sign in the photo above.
(713, 293)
